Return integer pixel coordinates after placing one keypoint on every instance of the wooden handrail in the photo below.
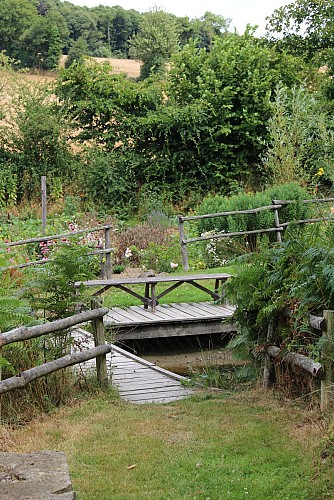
(278, 229)
(55, 236)
(30, 332)
(26, 333)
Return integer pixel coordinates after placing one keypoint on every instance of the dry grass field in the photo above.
(128, 66)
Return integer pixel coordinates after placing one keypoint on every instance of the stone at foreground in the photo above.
(41, 475)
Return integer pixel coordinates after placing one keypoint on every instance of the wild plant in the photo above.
(283, 285)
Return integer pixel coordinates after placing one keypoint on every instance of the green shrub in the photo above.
(295, 277)
(250, 222)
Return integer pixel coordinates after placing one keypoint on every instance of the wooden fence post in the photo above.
(184, 251)
(108, 255)
(0, 381)
(43, 188)
(277, 223)
(99, 339)
(327, 357)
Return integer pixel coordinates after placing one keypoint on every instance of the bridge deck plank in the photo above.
(137, 380)
(167, 313)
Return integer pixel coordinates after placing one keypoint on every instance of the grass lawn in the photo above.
(211, 446)
(185, 293)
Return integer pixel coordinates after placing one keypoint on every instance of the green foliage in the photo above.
(155, 42)
(110, 180)
(53, 290)
(205, 129)
(15, 17)
(304, 28)
(33, 141)
(8, 186)
(138, 239)
(284, 285)
(77, 52)
(162, 258)
(247, 201)
(14, 310)
(41, 45)
(301, 139)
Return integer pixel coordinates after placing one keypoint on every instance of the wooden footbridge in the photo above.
(137, 380)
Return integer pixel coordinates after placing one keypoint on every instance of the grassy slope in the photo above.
(217, 446)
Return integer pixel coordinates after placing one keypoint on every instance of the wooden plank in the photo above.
(163, 400)
(168, 313)
(236, 212)
(134, 385)
(176, 329)
(154, 279)
(175, 313)
(117, 318)
(190, 310)
(134, 316)
(160, 315)
(215, 310)
(154, 398)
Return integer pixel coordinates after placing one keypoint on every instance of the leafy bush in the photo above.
(52, 289)
(162, 258)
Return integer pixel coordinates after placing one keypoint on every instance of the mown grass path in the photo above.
(212, 446)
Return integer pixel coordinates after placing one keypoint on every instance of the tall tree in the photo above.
(304, 27)
(156, 41)
(41, 44)
(15, 17)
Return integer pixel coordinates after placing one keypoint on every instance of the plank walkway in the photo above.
(137, 380)
(168, 312)
(170, 320)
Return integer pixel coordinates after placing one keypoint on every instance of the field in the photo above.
(128, 66)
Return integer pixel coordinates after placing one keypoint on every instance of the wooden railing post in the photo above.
(99, 339)
(43, 188)
(0, 381)
(277, 222)
(108, 254)
(327, 357)
(184, 250)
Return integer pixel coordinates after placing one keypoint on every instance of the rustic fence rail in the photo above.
(278, 227)
(106, 251)
(25, 333)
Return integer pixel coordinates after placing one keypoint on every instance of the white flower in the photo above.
(173, 265)
(128, 253)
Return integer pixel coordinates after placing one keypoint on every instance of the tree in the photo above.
(77, 52)
(304, 28)
(15, 17)
(204, 127)
(41, 45)
(155, 42)
(81, 22)
(202, 30)
(33, 138)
